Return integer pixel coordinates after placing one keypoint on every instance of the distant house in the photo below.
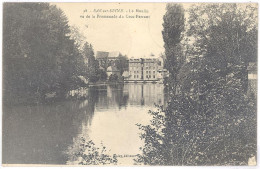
(112, 70)
(125, 75)
(112, 56)
(144, 69)
(162, 73)
(101, 55)
(252, 78)
(106, 59)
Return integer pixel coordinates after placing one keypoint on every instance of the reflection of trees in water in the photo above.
(110, 96)
(121, 98)
(120, 95)
(39, 133)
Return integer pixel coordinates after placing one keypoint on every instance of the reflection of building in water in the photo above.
(146, 94)
(114, 97)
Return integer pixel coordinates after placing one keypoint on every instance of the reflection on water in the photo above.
(42, 134)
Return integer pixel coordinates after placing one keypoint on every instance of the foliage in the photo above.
(102, 75)
(113, 78)
(38, 54)
(153, 153)
(93, 67)
(89, 154)
(104, 63)
(121, 63)
(210, 120)
(78, 37)
(216, 127)
(227, 34)
(173, 28)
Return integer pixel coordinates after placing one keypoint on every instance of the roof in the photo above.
(113, 54)
(102, 55)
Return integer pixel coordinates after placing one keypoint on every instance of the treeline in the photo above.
(42, 53)
(210, 119)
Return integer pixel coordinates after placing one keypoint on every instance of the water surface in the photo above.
(44, 133)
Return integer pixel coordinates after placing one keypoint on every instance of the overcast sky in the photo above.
(133, 37)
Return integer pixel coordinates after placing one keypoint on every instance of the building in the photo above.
(112, 70)
(106, 59)
(144, 69)
(125, 75)
(162, 73)
(252, 78)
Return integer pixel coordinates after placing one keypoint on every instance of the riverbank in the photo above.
(99, 116)
(56, 95)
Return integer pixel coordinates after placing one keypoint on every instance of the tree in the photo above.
(38, 54)
(93, 66)
(113, 78)
(210, 123)
(78, 37)
(210, 120)
(173, 27)
(121, 63)
(79, 41)
(227, 34)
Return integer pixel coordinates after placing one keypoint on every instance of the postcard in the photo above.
(129, 84)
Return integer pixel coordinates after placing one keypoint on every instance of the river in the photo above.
(46, 133)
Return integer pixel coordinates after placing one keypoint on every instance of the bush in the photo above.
(113, 78)
(87, 153)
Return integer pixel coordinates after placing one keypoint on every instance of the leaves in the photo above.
(38, 54)
(87, 153)
(210, 120)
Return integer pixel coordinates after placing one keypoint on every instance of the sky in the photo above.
(134, 37)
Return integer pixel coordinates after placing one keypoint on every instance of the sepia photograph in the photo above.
(129, 84)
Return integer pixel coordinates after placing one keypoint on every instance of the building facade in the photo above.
(106, 59)
(144, 69)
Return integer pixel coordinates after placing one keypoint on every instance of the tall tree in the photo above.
(173, 27)
(93, 67)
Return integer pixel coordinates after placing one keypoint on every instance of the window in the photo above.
(153, 72)
(134, 71)
(146, 72)
(134, 76)
(137, 72)
(153, 76)
(146, 76)
(137, 76)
